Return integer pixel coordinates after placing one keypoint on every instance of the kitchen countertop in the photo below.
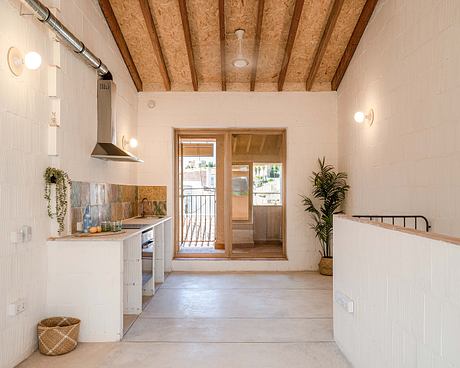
(127, 233)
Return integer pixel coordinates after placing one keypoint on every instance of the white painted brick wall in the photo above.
(24, 114)
(406, 69)
(311, 122)
(406, 293)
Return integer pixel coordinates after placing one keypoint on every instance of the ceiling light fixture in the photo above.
(240, 61)
(360, 117)
(16, 61)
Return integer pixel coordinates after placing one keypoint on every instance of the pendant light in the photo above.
(240, 61)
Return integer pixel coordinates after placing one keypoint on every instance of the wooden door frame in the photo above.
(227, 133)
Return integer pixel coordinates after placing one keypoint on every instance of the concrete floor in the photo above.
(223, 320)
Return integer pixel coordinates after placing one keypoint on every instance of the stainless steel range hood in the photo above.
(106, 148)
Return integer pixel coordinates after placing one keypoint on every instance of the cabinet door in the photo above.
(159, 254)
(132, 275)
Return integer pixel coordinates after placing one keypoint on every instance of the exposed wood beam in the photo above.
(146, 12)
(264, 139)
(248, 147)
(290, 42)
(222, 44)
(255, 57)
(320, 51)
(188, 42)
(121, 42)
(360, 27)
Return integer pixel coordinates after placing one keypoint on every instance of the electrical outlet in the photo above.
(20, 306)
(17, 307)
(26, 232)
(15, 237)
(345, 302)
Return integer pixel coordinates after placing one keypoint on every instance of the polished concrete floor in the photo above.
(233, 320)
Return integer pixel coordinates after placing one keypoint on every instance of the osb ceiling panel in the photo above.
(275, 30)
(204, 28)
(166, 16)
(346, 22)
(314, 17)
(203, 16)
(132, 24)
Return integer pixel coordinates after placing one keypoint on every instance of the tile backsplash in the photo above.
(113, 202)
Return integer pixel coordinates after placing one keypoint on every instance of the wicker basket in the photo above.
(58, 335)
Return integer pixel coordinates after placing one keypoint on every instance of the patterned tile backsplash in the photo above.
(113, 202)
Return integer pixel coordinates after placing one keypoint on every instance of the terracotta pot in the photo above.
(325, 266)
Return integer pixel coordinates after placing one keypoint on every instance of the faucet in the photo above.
(143, 207)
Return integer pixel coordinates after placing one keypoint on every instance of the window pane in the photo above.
(267, 184)
(240, 192)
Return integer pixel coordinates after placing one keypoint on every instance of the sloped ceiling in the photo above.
(324, 34)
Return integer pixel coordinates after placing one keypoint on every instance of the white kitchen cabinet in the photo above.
(99, 279)
(132, 275)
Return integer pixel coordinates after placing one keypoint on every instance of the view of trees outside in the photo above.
(267, 184)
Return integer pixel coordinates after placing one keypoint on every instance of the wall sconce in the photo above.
(360, 117)
(132, 142)
(16, 61)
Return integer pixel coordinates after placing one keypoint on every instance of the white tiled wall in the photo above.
(24, 114)
(406, 290)
(406, 68)
(310, 119)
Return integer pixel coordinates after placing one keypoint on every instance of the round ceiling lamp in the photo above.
(240, 61)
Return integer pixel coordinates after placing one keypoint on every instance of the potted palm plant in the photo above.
(329, 190)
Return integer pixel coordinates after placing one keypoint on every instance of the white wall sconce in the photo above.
(32, 61)
(360, 117)
(132, 142)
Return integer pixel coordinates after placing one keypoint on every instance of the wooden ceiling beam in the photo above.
(146, 12)
(112, 22)
(290, 42)
(188, 42)
(255, 57)
(222, 44)
(360, 27)
(321, 50)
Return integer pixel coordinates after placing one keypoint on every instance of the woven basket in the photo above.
(58, 335)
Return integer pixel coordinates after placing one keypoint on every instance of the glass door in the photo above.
(229, 193)
(197, 181)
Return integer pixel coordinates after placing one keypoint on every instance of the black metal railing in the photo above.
(411, 221)
(198, 218)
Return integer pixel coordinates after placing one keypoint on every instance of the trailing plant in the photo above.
(329, 188)
(62, 181)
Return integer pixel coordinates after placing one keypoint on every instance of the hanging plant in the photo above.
(62, 181)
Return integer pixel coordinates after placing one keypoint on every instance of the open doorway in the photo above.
(230, 193)
(197, 159)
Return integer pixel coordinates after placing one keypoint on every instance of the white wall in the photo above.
(78, 89)
(310, 119)
(406, 69)
(406, 290)
(24, 115)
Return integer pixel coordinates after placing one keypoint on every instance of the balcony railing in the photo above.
(410, 221)
(198, 218)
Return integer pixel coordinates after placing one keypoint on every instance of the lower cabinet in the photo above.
(132, 275)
